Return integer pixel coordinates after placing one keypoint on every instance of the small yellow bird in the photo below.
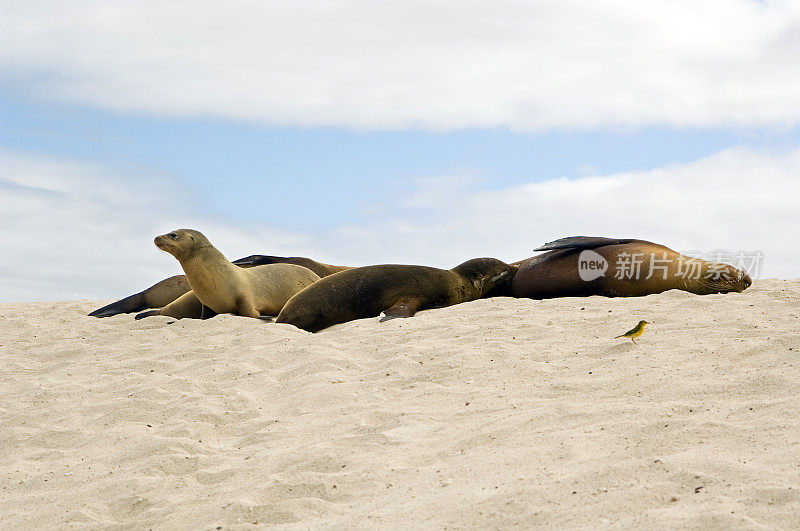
(636, 331)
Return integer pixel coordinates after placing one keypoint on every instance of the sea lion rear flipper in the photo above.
(405, 307)
(582, 242)
(257, 259)
(156, 296)
(134, 303)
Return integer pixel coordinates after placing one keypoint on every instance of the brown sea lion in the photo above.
(396, 290)
(163, 293)
(584, 265)
(187, 306)
(225, 288)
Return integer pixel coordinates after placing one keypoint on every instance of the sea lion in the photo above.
(583, 265)
(156, 296)
(322, 270)
(396, 290)
(169, 290)
(223, 287)
(187, 306)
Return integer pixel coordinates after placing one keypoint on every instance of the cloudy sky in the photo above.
(360, 132)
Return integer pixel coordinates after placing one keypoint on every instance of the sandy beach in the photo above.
(495, 413)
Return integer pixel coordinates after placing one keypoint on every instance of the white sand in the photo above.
(488, 414)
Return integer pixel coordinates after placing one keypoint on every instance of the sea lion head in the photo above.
(181, 243)
(724, 278)
(487, 275)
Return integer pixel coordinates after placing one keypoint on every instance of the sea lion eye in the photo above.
(173, 235)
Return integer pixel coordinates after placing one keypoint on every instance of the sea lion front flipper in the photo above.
(207, 313)
(187, 306)
(405, 307)
(582, 242)
(148, 313)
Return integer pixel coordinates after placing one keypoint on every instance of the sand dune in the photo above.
(493, 413)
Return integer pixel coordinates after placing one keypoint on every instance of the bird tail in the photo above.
(623, 335)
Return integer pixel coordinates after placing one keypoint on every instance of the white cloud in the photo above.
(738, 199)
(77, 230)
(437, 64)
(73, 230)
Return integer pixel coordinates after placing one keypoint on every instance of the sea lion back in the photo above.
(273, 285)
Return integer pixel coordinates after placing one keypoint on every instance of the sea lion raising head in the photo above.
(169, 290)
(223, 287)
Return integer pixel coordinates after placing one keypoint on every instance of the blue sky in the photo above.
(362, 134)
(234, 167)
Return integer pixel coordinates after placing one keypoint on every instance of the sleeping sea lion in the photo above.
(163, 293)
(395, 290)
(583, 265)
(222, 287)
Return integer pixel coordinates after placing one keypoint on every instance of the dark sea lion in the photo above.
(163, 293)
(156, 296)
(225, 288)
(583, 265)
(396, 290)
(322, 270)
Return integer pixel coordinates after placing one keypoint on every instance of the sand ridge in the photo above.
(493, 413)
